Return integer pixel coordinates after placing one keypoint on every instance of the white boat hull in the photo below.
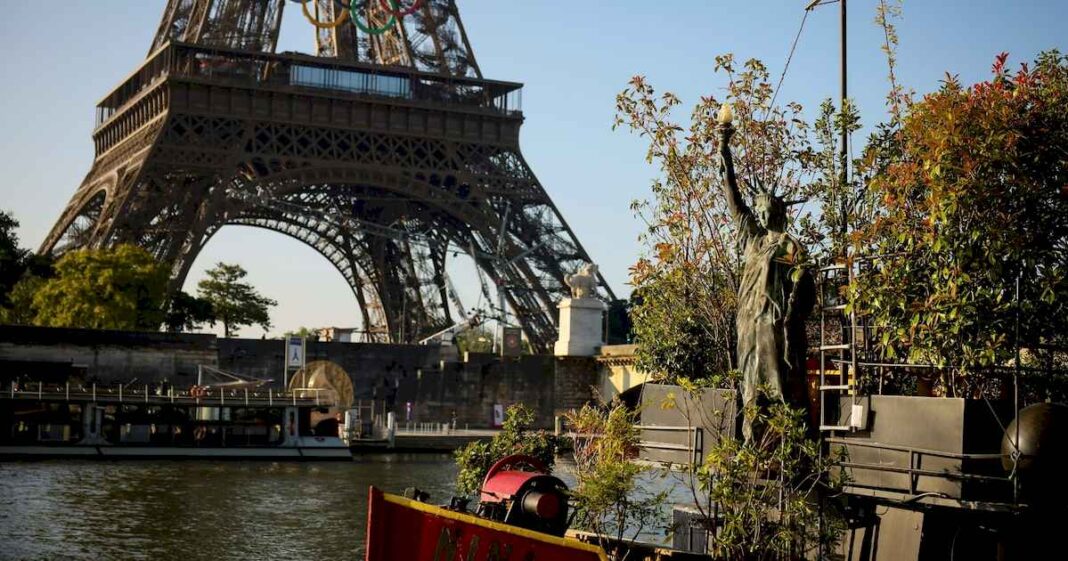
(274, 453)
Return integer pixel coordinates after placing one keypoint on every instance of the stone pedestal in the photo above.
(581, 327)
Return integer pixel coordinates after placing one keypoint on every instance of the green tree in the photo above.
(19, 310)
(188, 313)
(119, 288)
(304, 332)
(475, 340)
(21, 274)
(972, 185)
(235, 303)
(612, 498)
(11, 256)
(517, 436)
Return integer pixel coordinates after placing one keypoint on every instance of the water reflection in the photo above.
(201, 510)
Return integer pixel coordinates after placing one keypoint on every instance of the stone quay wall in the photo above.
(419, 384)
(55, 355)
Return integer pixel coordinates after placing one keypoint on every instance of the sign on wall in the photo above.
(498, 415)
(295, 352)
(512, 341)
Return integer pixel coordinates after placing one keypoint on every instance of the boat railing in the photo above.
(162, 394)
(914, 472)
(663, 443)
(438, 428)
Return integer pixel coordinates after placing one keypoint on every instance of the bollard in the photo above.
(391, 429)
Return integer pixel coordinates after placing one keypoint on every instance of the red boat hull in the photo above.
(400, 529)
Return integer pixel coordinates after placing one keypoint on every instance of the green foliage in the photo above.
(11, 256)
(475, 340)
(187, 313)
(304, 332)
(19, 310)
(672, 333)
(843, 203)
(18, 265)
(119, 288)
(766, 493)
(972, 182)
(611, 500)
(234, 303)
(517, 436)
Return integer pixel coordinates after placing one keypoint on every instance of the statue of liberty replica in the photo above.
(775, 293)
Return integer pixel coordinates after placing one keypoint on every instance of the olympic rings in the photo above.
(350, 12)
(321, 25)
(390, 6)
(367, 28)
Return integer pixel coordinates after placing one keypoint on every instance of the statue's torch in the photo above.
(726, 115)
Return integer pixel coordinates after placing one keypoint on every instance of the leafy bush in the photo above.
(611, 502)
(767, 493)
(517, 436)
(972, 189)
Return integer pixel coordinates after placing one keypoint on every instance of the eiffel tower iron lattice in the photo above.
(388, 154)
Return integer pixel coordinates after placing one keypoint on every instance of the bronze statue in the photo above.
(775, 293)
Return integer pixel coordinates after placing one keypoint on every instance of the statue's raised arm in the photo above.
(772, 306)
(743, 216)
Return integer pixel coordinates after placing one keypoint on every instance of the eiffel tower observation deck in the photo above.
(387, 152)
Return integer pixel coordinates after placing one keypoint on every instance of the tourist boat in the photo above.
(522, 514)
(164, 422)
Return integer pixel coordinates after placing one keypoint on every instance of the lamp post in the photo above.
(849, 329)
(843, 154)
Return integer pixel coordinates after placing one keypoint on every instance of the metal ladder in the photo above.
(844, 353)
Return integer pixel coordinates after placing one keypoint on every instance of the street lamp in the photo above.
(844, 148)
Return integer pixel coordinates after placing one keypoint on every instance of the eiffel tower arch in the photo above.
(386, 152)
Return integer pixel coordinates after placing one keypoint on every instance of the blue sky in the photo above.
(574, 57)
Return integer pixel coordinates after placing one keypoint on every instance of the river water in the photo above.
(194, 510)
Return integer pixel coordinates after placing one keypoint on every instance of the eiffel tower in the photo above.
(387, 152)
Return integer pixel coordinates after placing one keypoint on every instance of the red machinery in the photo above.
(519, 491)
(522, 514)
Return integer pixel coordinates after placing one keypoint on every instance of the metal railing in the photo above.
(915, 460)
(447, 429)
(309, 72)
(694, 446)
(157, 394)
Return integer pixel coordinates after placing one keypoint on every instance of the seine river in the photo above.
(193, 510)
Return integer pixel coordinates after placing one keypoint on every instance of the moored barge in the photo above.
(121, 421)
